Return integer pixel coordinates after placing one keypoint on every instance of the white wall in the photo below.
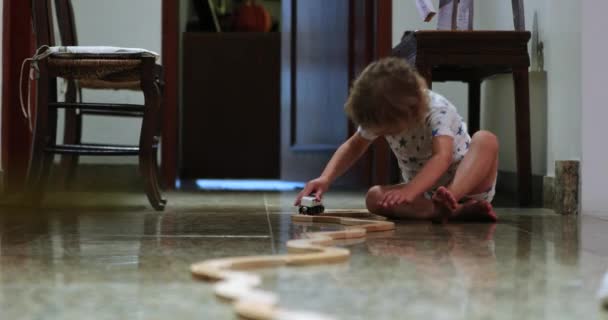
(594, 108)
(133, 23)
(555, 95)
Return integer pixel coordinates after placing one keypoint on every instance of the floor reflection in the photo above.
(72, 263)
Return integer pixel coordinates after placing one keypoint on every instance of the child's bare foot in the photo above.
(448, 209)
(444, 198)
(445, 204)
(474, 211)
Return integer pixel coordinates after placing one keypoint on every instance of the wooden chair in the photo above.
(136, 71)
(471, 57)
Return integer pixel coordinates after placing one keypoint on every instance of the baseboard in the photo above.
(506, 188)
(548, 192)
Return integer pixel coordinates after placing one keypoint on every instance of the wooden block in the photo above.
(352, 213)
(602, 293)
(566, 187)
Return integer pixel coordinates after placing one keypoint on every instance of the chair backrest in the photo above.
(43, 22)
(42, 17)
(66, 22)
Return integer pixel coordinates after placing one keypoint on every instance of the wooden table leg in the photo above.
(474, 105)
(427, 73)
(522, 119)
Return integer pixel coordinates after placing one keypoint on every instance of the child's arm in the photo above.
(347, 154)
(427, 177)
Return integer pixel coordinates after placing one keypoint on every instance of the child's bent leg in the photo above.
(477, 171)
(420, 209)
(475, 174)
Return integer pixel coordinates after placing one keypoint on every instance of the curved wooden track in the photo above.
(236, 285)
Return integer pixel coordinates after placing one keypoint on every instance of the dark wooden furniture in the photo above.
(15, 131)
(472, 56)
(230, 118)
(108, 71)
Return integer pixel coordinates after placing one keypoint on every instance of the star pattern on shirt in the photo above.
(410, 148)
(402, 143)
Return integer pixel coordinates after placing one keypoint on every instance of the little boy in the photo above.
(447, 175)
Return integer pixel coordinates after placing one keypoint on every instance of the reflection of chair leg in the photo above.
(36, 163)
(522, 117)
(149, 135)
(48, 158)
(155, 173)
(72, 135)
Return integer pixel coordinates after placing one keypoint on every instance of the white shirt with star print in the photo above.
(414, 146)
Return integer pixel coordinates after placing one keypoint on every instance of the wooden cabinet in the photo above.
(230, 117)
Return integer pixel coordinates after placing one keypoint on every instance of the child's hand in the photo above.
(317, 186)
(396, 197)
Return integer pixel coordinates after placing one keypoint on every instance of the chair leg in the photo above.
(522, 119)
(72, 134)
(43, 133)
(474, 105)
(149, 136)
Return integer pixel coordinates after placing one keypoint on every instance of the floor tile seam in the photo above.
(101, 235)
(270, 231)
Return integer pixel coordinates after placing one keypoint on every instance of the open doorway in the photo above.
(230, 89)
(269, 104)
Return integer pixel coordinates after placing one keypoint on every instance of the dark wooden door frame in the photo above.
(371, 39)
(170, 122)
(17, 45)
(383, 45)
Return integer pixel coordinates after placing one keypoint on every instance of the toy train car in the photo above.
(311, 206)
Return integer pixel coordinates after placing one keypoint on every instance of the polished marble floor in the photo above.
(107, 256)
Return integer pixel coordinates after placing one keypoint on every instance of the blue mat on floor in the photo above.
(248, 185)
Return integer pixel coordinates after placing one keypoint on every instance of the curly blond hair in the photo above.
(388, 92)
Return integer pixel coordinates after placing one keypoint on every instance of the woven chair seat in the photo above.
(134, 85)
(105, 69)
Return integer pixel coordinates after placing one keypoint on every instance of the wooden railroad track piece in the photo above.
(236, 284)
